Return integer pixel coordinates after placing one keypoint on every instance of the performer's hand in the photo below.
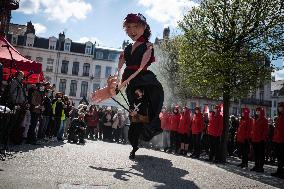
(106, 92)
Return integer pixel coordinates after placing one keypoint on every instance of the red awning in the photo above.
(29, 67)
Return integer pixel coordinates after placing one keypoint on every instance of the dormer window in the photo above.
(67, 44)
(52, 43)
(88, 47)
(14, 39)
(99, 55)
(88, 50)
(30, 39)
(112, 56)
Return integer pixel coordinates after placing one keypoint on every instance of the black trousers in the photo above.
(258, 148)
(244, 150)
(196, 144)
(108, 133)
(279, 149)
(117, 134)
(32, 132)
(134, 133)
(174, 140)
(214, 144)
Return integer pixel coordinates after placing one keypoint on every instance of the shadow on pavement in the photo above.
(12, 150)
(265, 177)
(154, 169)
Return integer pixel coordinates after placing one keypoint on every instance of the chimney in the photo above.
(30, 28)
(125, 43)
(61, 37)
(166, 33)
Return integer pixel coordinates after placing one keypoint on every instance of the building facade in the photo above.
(76, 69)
(277, 95)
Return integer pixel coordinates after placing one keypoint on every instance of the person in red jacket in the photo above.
(197, 126)
(174, 122)
(165, 125)
(183, 130)
(215, 129)
(259, 135)
(278, 139)
(243, 136)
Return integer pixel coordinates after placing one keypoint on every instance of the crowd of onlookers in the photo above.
(38, 114)
(250, 137)
(41, 114)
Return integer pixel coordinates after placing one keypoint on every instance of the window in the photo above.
(274, 103)
(14, 40)
(64, 66)
(39, 59)
(84, 89)
(99, 55)
(96, 86)
(51, 47)
(88, 50)
(49, 68)
(97, 71)
(261, 96)
(75, 68)
(62, 85)
(108, 71)
(86, 69)
(112, 56)
(50, 61)
(67, 46)
(73, 88)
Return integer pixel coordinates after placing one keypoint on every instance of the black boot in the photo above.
(132, 153)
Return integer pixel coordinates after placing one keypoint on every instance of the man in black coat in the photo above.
(77, 129)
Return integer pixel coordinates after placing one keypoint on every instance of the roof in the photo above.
(17, 29)
(277, 85)
(109, 48)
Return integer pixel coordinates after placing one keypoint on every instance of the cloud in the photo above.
(59, 10)
(92, 39)
(279, 75)
(167, 12)
(39, 28)
(29, 6)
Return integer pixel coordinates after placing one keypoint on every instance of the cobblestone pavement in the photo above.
(101, 165)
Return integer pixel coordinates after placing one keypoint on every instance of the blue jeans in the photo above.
(61, 130)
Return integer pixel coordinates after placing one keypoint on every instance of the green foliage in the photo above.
(225, 45)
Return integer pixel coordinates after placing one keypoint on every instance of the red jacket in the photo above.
(215, 125)
(174, 119)
(92, 119)
(165, 120)
(197, 124)
(260, 128)
(244, 130)
(278, 136)
(184, 122)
